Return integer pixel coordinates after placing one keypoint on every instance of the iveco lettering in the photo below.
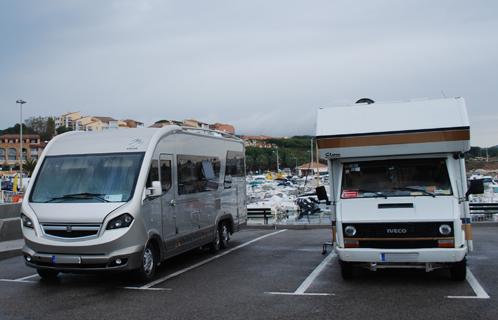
(128, 199)
(398, 184)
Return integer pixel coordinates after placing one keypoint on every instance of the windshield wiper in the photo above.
(416, 190)
(82, 195)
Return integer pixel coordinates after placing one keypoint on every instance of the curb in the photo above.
(10, 254)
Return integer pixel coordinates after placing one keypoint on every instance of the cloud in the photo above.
(265, 66)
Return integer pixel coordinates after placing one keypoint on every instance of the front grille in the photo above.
(396, 244)
(71, 231)
(399, 229)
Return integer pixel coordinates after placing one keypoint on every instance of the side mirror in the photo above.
(155, 190)
(476, 187)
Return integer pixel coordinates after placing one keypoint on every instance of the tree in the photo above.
(29, 166)
(62, 129)
(50, 132)
(43, 126)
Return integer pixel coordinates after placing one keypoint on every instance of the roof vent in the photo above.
(365, 100)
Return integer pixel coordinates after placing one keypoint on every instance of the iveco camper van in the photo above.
(128, 199)
(398, 184)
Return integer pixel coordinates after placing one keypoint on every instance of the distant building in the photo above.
(68, 120)
(228, 128)
(223, 127)
(258, 142)
(76, 122)
(10, 148)
(311, 168)
(195, 124)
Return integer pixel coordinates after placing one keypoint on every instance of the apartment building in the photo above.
(10, 148)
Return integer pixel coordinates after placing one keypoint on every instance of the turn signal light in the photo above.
(446, 243)
(351, 243)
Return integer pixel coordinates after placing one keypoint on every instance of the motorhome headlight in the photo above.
(350, 231)
(26, 221)
(445, 229)
(121, 221)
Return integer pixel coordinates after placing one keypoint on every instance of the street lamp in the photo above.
(21, 102)
(278, 164)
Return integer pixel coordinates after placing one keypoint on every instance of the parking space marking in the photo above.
(150, 289)
(475, 285)
(224, 253)
(301, 290)
(28, 277)
(19, 281)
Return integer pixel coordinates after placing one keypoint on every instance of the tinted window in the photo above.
(197, 174)
(235, 166)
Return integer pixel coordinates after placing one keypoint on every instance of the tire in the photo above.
(148, 267)
(346, 270)
(224, 235)
(458, 271)
(215, 246)
(47, 274)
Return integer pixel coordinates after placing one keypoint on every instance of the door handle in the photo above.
(172, 203)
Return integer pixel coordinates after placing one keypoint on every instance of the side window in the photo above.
(235, 165)
(197, 174)
(165, 174)
(153, 173)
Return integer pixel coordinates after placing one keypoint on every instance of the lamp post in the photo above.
(21, 102)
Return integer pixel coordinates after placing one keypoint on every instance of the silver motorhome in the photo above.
(128, 199)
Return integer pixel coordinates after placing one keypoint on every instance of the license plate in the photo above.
(399, 257)
(65, 259)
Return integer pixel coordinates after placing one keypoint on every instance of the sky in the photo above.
(263, 66)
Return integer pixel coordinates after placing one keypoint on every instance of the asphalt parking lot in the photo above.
(265, 274)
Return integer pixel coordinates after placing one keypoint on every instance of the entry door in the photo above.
(168, 196)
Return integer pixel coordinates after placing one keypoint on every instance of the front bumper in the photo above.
(436, 255)
(76, 263)
(78, 255)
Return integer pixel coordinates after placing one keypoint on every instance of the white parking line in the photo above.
(19, 281)
(475, 285)
(301, 290)
(177, 273)
(28, 277)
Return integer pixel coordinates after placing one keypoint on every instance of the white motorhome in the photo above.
(398, 184)
(128, 199)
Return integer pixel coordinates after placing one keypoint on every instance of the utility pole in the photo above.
(21, 102)
(278, 164)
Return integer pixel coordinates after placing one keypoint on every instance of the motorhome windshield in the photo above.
(395, 178)
(87, 178)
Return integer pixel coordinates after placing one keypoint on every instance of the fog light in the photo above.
(118, 261)
(28, 258)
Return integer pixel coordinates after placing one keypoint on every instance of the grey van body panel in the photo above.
(176, 222)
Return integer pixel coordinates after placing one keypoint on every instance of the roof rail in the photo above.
(214, 133)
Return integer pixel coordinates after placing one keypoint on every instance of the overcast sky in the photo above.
(263, 66)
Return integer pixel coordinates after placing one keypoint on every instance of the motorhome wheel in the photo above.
(147, 269)
(346, 269)
(224, 235)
